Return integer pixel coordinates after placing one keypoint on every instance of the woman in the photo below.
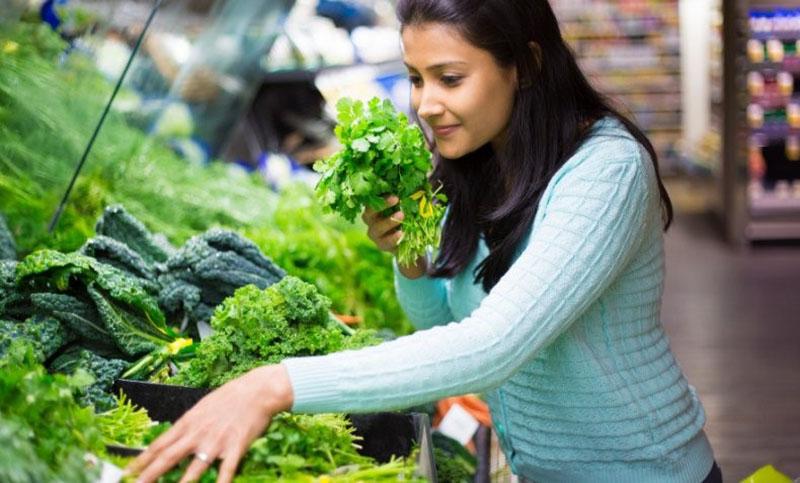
(551, 259)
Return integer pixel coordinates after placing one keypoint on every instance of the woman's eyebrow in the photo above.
(438, 66)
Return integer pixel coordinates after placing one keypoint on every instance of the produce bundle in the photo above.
(382, 155)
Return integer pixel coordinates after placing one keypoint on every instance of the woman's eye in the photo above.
(415, 80)
(451, 80)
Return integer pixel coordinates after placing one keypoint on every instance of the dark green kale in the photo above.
(208, 269)
(45, 334)
(117, 254)
(13, 303)
(8, 248)
(120, 225)
(130, 315)
(103, 371)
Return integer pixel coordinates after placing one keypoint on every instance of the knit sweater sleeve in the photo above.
(424, 300)
(591, 226)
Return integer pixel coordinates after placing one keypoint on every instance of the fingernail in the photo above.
(392, 200)
(399, 216)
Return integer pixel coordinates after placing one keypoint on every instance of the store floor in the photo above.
(734, 321)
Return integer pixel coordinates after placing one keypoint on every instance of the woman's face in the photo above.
(458, 89)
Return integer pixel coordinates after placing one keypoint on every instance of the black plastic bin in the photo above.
(383, 434)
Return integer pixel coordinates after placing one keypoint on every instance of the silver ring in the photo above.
(202, 456)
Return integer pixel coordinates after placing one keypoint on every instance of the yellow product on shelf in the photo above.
(775, 50)
(755, 116)
(755, 51)
(793, 114)
(785, 83)
(793, 148)
(755, 84)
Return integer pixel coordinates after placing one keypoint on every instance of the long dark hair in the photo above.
(497, 194)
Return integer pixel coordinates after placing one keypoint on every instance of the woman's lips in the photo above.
(443, 131)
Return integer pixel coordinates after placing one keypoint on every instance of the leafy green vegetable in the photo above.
(382, 154)
(44, 433)
(124, 424)
(208, 269)
(130, 316)
(454, 464)
(45, 334)
(8, 248)
(117, 224)
(103, 371)
(257, 327)
(117, 254)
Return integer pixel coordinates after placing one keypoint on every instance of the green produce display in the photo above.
(382, 155)
(48, 108)
(98, 300)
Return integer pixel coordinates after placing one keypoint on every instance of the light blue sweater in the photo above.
(568, 347)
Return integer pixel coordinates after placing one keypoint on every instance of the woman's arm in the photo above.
(592, 225)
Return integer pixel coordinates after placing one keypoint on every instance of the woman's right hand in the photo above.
(385, 233)
(384, 230)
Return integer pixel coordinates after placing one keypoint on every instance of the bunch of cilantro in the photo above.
(382, 154)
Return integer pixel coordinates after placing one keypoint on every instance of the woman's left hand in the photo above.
(219, 427)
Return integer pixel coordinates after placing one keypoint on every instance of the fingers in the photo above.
(196, 468)
(166, 459)
(384, 226)
(370, 215)
(162, 442)
(227, 469)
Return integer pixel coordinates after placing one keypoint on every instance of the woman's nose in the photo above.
(430, 105)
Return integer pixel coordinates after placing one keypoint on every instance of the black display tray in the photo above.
(384, 435)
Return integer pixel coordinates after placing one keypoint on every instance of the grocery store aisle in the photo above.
(734, 321)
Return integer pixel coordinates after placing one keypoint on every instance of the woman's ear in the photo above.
(536, 51)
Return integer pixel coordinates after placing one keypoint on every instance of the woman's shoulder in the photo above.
(609, 147)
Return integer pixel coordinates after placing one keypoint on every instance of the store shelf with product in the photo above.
(630, 52)
(760, 114)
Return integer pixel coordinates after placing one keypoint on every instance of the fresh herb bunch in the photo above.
(382, 155)
(44, 432)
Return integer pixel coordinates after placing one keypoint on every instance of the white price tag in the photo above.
(459, 424)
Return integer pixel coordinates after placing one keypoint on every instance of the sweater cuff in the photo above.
(313, 384)
(414, 291)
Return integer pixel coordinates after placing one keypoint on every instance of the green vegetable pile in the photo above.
(209, 268)
(44, 432)
(382, 155)
(257, 327)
